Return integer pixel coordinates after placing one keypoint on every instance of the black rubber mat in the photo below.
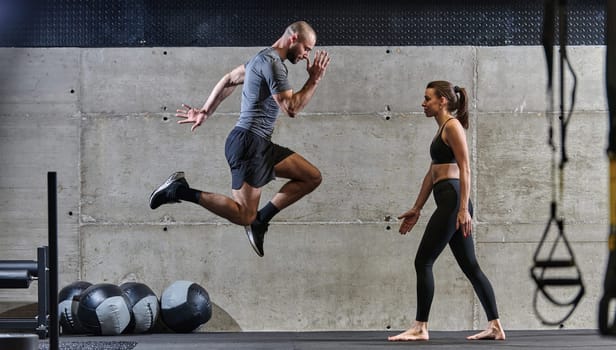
(349, 340)
(93, 345)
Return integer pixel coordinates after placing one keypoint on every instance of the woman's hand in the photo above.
(410, 218)
(464, 221)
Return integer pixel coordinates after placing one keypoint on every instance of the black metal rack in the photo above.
(16, 274)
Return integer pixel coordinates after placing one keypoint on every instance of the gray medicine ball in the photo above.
(103, 309)
(185, 306)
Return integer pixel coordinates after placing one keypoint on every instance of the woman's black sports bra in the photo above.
(440, 152)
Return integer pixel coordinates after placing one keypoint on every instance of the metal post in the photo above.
(607, 323)
(52, 220)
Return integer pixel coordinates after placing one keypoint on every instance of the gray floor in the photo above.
(550, 339)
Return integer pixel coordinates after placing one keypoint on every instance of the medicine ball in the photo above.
(185, 306)
(68, 301)
(103, 309)
(143, 305)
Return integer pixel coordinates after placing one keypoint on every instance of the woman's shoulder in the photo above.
(453, 124)
(453, 128)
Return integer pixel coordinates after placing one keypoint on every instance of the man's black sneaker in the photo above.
(167, 192)
(256, 235)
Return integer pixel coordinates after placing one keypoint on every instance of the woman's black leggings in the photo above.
(440, 231)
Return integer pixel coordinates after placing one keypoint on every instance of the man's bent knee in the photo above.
(316, 179)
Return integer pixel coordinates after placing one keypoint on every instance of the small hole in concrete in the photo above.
(388, 227)
(165, 228)
(72, 91)
(70, 213)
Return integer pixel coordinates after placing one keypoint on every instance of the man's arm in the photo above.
(225, 87)
(292, 103)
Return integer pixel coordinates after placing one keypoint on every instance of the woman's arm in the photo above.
(456, 138)
(411, 216)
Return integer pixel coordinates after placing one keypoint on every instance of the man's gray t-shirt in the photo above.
(265, 75)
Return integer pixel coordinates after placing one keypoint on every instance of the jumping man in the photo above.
(252, 156)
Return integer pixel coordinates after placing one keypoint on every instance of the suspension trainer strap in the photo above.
(540, 268)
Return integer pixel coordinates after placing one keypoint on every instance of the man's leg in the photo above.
(303, 179)
(241, 210)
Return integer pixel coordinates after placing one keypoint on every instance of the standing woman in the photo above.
(449, 178)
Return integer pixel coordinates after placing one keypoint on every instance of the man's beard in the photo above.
(292, 55)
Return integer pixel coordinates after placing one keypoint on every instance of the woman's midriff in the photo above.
(444, 171)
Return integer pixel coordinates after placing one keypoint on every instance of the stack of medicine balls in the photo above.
(107, 309)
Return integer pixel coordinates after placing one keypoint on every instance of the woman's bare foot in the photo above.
(494, 331)
(419, 331)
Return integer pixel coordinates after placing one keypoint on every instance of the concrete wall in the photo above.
(103, 118)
